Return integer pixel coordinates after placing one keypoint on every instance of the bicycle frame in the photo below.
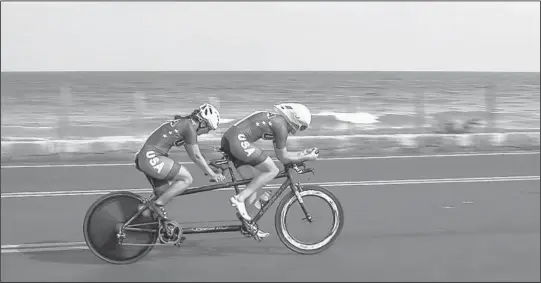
(235, 184)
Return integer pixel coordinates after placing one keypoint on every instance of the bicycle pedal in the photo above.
(178, 244)
(182, 239)
(245, 232)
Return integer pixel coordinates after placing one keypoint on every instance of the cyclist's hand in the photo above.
(216, 169)
(218, 178)
(312, 154)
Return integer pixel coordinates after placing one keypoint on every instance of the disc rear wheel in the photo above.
(102, 224)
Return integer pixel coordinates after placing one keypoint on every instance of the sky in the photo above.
(274, 36)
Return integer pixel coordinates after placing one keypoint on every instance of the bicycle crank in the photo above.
(249, 229)
(170, 232)
(252, 229)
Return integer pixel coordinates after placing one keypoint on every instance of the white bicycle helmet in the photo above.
(210, 115)
(296, 114)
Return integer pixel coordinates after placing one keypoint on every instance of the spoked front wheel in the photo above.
(309, 193)
(101, 229)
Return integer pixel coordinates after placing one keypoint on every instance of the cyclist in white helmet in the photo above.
(237, 141)
(168, 177)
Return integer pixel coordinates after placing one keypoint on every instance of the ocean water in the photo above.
(91, 105)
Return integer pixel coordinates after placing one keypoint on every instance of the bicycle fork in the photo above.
(297, 189)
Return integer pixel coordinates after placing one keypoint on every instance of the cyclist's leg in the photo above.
(180, 182)
(247, 171)
(266, 172)
(245, 153)
(251, 164)
(172, 177)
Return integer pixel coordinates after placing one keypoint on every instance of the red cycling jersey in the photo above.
(173, 133)
(263, 125)
(152, 159)
(238, 139)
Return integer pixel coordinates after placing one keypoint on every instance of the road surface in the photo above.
(467, 218)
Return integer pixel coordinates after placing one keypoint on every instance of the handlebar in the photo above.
(303, 169)
(299, 168)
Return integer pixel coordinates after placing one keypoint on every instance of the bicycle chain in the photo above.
(165, 233)
(155, 244)
(249, 229)
(169, 233)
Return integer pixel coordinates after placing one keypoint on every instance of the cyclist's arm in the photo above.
(194, 153)
(280, 140)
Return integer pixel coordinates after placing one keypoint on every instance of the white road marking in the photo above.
(274, 186)
(321, 159)
(44, 249)
(41, 245)
(50, 247)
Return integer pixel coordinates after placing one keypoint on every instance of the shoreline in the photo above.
(313, 134)
(337, 146)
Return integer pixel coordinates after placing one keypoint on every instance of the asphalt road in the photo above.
(461, 219)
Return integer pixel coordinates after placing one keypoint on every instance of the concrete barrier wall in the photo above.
(350, 145)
